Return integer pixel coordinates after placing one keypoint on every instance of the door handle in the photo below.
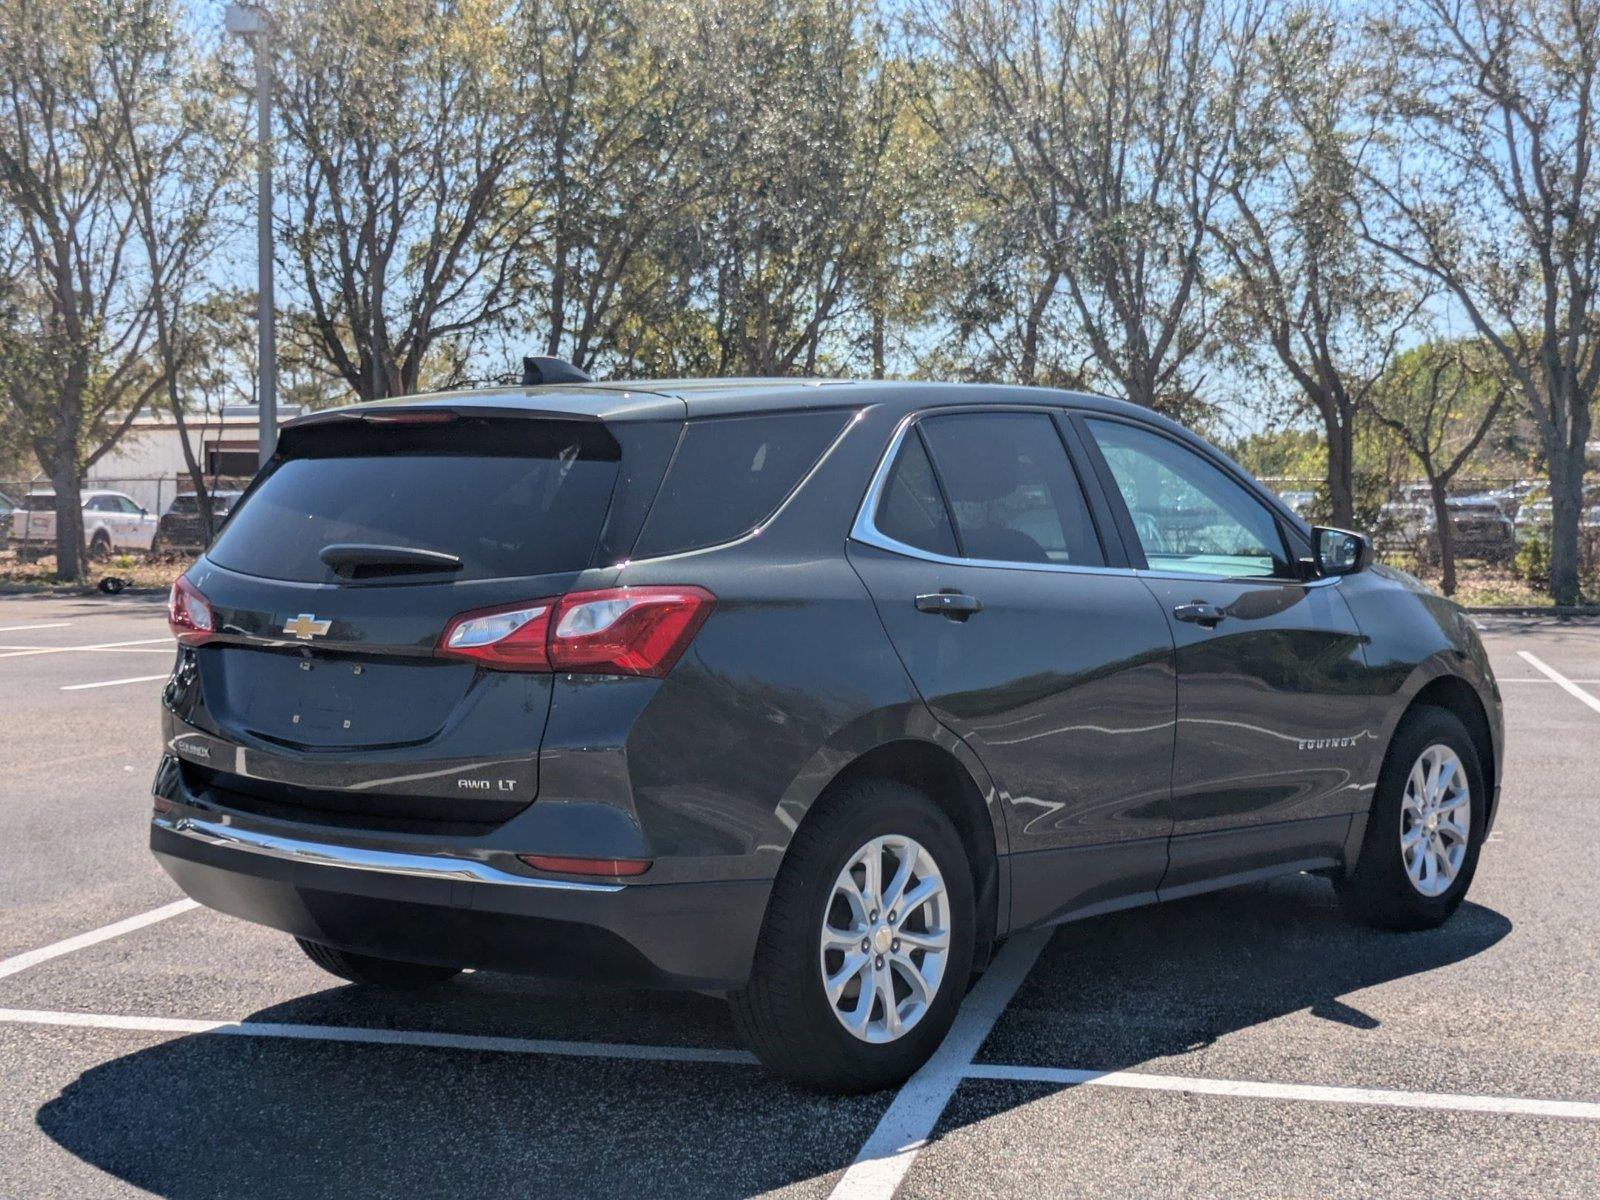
(1200, 612)
(955, 605)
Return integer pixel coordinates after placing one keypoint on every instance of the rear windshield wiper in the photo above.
(360, 560)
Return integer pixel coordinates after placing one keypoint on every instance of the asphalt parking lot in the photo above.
(1247, 1043)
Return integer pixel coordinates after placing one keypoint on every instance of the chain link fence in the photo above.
(1497, 525)
(156, 515)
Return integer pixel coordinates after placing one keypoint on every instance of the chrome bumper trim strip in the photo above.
(355, 858)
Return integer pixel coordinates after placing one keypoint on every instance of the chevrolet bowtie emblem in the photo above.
(305, 627)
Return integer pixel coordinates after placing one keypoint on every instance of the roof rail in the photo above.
(537, 369)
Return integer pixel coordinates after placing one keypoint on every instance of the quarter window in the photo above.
(1011, 489)
(912, 510)
(730, 474)
(1188, 514)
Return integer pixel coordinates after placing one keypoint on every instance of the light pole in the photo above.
(250, 22)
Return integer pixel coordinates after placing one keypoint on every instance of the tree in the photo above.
(84, 323)
(1302, 282)
(402, 121)
(801, 110)
(182, 151)
(614, 116)
(1440, 400)
(1492, 192)
(1094, 131)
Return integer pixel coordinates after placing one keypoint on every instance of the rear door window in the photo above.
(508, 497)
(1012, 489)
(730, 474)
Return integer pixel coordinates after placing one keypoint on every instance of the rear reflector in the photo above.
(189, 614)
(610, 868)
(615, 631)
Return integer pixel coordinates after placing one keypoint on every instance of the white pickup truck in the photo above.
(111, 522)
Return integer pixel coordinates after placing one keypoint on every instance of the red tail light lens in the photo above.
(627, 631)
(610, 868)
(616, 631)
(509, 639)
(189, 614)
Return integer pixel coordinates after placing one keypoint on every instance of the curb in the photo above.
(1534, 610)
(49, 591)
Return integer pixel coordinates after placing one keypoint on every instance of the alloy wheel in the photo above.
(885, 940)
(1435, 820)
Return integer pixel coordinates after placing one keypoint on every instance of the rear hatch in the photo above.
(322, 695)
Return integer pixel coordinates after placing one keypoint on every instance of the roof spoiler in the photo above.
(537, 370)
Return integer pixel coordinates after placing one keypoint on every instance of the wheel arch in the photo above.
(1458, 697)
(940, 775)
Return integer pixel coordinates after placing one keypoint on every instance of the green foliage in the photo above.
(1532, 562)
(1297, 454)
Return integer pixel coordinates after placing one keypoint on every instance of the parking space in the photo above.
(1247, 1043)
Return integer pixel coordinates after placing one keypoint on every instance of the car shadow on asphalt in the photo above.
(241, 1117)
(1165, 982)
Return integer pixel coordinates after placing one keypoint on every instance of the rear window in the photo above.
(509, 498)
(730, 474)
(38, 503)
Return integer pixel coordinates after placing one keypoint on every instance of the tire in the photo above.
(100, 546)
(1379, 890)
(375, 972)
(784, 1012)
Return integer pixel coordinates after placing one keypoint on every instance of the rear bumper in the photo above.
(463, 912)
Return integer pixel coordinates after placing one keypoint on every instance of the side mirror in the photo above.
(1340, 552)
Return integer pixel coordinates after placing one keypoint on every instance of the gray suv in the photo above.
(807, 693)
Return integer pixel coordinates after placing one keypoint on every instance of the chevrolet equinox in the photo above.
(806, 693)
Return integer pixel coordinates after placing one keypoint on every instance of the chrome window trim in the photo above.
(356, 858)
(867, 533)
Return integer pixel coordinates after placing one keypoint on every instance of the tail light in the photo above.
(512, 639)
(615, 631)
(189, 614)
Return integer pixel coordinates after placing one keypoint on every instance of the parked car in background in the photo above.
(182, 530)
(1479, 527)
(805, 693)
(111, 522)
(1298, 502)
(1510, 498)
(7, 507)
(1535, 516)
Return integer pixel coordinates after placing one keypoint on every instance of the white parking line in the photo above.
(80, 687)
(903, 1130)
(1560, 680)
(1380, 1097)
(36, 625)
(382, 1037)
(21, 962)
(75, 649)
(887, 1172)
